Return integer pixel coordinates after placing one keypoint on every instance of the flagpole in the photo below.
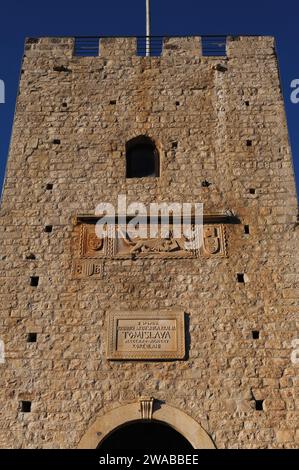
(148, 29)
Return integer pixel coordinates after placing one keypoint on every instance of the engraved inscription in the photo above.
(133, 335)
(146, 335)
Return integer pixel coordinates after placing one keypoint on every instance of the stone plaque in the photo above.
(146, 335)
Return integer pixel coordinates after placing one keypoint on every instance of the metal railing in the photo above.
(213, 45)
(87, 46)
(150, 46)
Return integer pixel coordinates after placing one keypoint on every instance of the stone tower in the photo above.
(69, 302)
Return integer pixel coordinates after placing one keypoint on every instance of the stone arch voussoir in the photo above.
(119, 416)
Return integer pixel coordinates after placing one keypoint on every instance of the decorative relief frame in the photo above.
(90, 252)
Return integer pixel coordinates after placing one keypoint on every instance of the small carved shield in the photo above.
(88, 269)
(212, 244)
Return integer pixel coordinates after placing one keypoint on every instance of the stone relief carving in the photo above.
(90, 245)
(158, 247)
(88, 268)
(124, 245)
(89, 251)
(213, 240)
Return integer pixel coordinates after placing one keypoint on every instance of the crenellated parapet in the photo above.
(113, 47)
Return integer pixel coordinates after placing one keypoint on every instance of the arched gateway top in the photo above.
(180, 421)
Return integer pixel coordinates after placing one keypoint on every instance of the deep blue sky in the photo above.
(20, 19)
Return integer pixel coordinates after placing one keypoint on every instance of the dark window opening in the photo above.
(249, 143)
(205, 184)
(246, 229)
(255, 334)
(177, 103)
(240, 277)
(34, 281)
(48, 228)
(247, 103)
(112, 101)
(64, 105)
(26, 406)
(142, 158)
(259, 405)
(251, 191)
(31, 337)
(49, 186)
(174, 145)
(56, 141)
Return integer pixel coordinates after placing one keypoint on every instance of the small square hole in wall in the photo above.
(177, 103)
(220, 68)
(174, 145)
(259, 405)
(48, 228)
(240, 277)
(112, 101)
(249, 143)
(61, 68)
(34, 280)
(247, 103)
(49, 186)
(56, 141)
(205, 184)
(255, 334)
(251, 191)
(30, 256)
(246, 229)
(31, 337)
(64, 105)
(26, 406)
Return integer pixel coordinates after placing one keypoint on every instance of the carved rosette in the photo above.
(146, 407)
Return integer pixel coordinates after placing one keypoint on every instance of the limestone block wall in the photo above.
(215, 119)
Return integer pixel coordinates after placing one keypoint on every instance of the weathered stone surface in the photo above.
(200, 112)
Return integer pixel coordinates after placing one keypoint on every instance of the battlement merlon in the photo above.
(236, 46)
